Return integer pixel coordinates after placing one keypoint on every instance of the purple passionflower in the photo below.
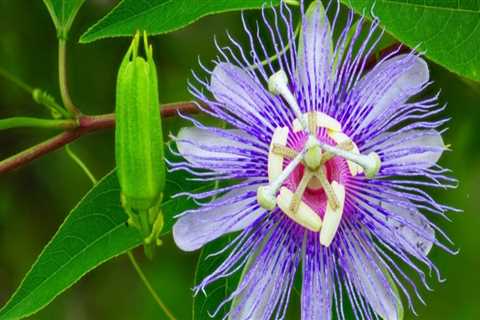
(328, 159)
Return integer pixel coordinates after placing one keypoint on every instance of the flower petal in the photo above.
(412, 230)
(317, 282)
(315, 50)
(371, 280)
(422, 148)
(399, 223)
(266, 280)
(227, 214)
(390, 84)
(240, 93)
(194, 143)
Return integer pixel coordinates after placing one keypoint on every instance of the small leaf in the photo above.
(94, 232)
(448, 31)
(217, 292)
(63, 13)
(160, 16)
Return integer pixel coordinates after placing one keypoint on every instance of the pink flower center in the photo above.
(336, 170)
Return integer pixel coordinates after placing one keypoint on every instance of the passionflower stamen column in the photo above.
(328, 159)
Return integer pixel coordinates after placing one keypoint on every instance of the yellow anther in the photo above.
(344, 142)
(322, 121)
(322, 178)
(275, 160)
(284, 151)
(297, 196)
(312, 123)
(304, 216)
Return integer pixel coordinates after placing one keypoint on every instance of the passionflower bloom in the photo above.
(328, 160)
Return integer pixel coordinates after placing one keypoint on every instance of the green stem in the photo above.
(62, 77)
(10, 77)
(28, 122)
(81, 164)
(149, 248)
(149, 286)
(45, 99)
(40, 96)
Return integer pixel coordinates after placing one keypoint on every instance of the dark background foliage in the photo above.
(34, 200)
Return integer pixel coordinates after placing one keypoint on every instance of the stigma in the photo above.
(323, 140)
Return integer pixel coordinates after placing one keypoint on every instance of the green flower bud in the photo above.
(139, 143)
(138, 135)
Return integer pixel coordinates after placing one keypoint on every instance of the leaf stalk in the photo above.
(62, 78)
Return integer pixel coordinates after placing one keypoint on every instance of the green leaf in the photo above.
(447, 30)
(218, 291)
(63, 13)
(94, 232)
(160, 16)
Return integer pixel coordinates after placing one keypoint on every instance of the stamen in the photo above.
(329, 155)
(266, 194)
(344, 142)
(278, 85)
(322, 178)
(323, 120)
(312, 123)
(304, 216)
(275, 160)
(314, 156)
(370, 163)
(333, 216)
(297, 196)
(284, 151)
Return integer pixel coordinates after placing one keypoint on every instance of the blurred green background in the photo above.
(35, 199)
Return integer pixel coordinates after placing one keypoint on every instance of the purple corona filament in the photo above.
(329, 159)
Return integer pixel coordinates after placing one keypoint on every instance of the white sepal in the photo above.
(332, 217)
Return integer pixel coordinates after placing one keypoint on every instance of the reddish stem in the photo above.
(87, 124)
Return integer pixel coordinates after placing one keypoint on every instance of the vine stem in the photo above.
(85, 125)
(149, 286)
(62, 78)
(81, 164)
(12, 78)
(28, 122)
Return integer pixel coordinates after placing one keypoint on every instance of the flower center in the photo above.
(313, 194)
(319, 158)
